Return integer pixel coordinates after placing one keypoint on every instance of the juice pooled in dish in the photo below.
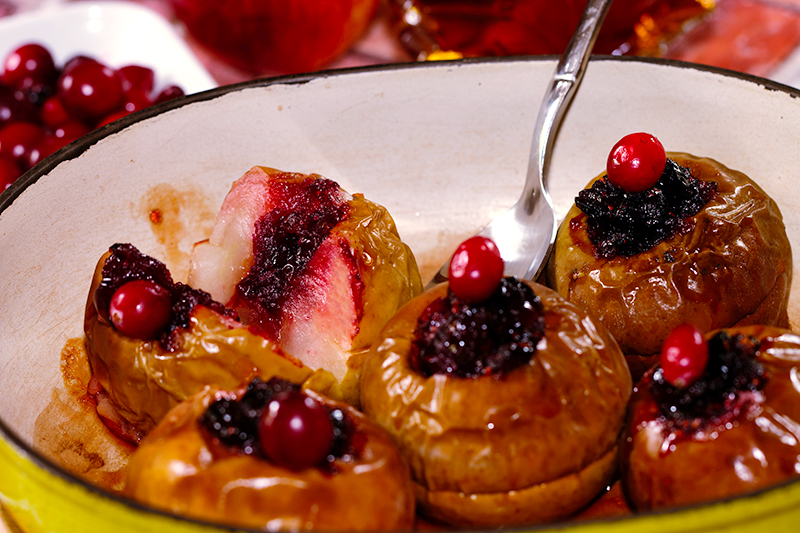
(153, 342)
(274, 457)
(664, 239)
(317, 270)
(506, 400)
(718, 417)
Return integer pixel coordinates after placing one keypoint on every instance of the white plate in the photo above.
(115, 33)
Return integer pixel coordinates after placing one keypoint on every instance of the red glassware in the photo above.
(276, 36)
(536, 27)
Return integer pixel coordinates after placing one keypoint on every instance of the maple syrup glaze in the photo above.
(369, 490)
(527, 435)
(733, 267)
(732, 434)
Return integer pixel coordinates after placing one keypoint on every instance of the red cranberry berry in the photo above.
(12, 109)
(90, 89)
(169, 93)
(53, 113)
(9, 172)
(140, 309)
(29, 64)
(137, 80)
(18, 139)
(476, 269)
(116, 115)
(636, 162)
(295, 431)
(684, 356)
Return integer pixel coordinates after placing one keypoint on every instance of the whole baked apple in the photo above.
(276, 36)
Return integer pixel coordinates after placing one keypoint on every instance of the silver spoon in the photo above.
(525, 233)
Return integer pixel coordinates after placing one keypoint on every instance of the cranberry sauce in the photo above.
(126, 263)
(625, 224)
(491, 337)
(234, 423)
(285, 240)
(721, 393)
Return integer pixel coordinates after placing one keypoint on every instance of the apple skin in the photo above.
(276, 36)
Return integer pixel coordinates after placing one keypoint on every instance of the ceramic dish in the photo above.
(443, 146)
(115, 33)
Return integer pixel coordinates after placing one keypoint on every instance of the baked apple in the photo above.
(315, 269)
(645, 262)
(717, 418)
(508, 409)
(270, 456)
(159, 346)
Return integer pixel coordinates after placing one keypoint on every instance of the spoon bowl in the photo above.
(526, 232)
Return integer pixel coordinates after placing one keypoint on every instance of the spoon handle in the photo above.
(563, 86)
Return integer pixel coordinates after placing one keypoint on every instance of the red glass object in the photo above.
(537, 27)
(276, 36)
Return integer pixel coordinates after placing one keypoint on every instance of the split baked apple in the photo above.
(153, 342)
(317, 270)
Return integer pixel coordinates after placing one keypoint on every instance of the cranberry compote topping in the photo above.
(491, 337)
(720, 393)
(625, 224)
(476, 269)
(239, 425)
(126, 264)
(286, 239)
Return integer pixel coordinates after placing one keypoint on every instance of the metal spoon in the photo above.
(525, 233)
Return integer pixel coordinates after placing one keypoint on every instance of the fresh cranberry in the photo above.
(31, 62)
(140, 309)
(18, 139)
(636, 162)
(136, 102)
(46, 146)
(13, 109)
(53, 113)
(74, 61)
(295, 431)
(476, 269)
(71, 130)
(90, 89)
(684, 356)
(116, 115)
(9, 172)
(137, 80)
(169, 93)
(60, 137)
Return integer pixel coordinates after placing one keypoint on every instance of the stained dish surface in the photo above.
(443, 146)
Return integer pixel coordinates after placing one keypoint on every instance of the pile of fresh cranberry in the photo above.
(44, 107)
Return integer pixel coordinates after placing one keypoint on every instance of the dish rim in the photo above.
(80, 146)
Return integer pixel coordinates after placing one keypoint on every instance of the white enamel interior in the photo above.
(444, 147)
